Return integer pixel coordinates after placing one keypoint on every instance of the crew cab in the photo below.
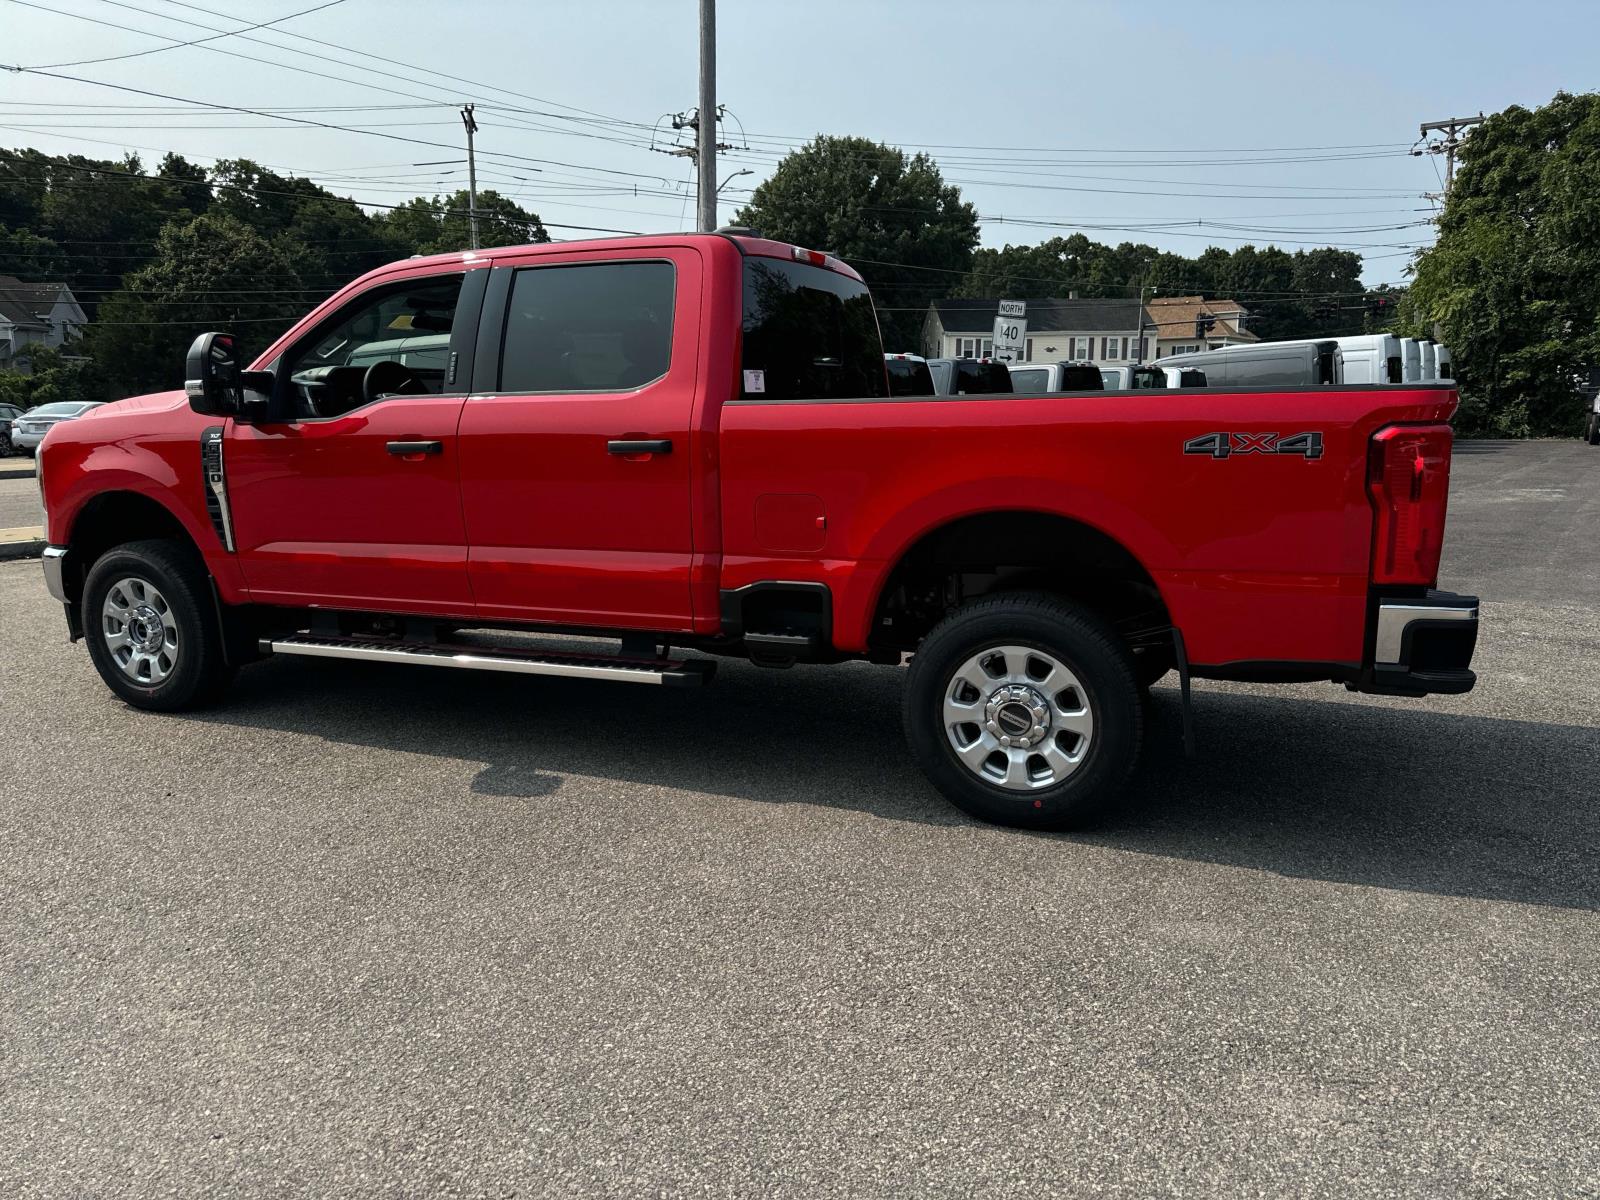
(688, 442)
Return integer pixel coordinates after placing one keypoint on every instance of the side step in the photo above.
(671, 673)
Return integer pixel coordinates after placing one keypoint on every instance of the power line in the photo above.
(84, 62)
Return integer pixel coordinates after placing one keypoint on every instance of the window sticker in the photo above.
(755, 381)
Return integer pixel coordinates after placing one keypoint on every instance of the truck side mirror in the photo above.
(211, 375)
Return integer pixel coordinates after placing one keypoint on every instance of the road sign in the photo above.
(1011, 331)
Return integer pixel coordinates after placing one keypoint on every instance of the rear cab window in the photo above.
(1081, 379)
(809, 334)
(1033, 380)
(974, 378)
(908, 377)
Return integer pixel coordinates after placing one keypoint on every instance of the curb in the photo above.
(26, 542)
(20, 471)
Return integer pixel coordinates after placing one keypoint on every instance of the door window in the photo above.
(598, 327)
(404, 326)
(409, 325)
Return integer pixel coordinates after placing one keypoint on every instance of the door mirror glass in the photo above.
(211, 375)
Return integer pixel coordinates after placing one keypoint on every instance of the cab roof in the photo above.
(748, 244)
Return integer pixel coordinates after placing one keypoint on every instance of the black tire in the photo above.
(1082, 643)
(1592, 435)
(175, 571)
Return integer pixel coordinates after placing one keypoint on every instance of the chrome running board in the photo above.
(671, 673)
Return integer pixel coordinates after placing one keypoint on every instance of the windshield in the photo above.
(1029, 381)
(63, 409)
(809, 334)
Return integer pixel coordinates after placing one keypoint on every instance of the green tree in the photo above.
(441, 224)
(1512, 284)
(29, 256)
(54, 376)
(890, 215)
(209, 272)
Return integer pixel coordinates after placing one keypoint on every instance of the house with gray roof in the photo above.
(32, 315)
(1101, 331)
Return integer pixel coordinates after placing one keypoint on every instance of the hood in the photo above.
(154, 402)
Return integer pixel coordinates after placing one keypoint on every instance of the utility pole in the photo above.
(471, 123)
(1452, 129)
(706, 129)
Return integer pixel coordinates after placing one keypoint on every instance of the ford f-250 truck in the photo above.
(688, 441)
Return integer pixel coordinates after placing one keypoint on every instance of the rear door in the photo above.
(575, 455)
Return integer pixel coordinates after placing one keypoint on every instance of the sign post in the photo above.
(1011, 331)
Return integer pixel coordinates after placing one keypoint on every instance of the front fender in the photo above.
(74, 474)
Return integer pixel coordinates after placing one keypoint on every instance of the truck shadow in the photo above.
(1333, 789)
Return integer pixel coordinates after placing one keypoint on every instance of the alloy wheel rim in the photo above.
(140, 630)
(1018, 718)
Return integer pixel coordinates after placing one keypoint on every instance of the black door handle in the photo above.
(403, 448)
(639, 446)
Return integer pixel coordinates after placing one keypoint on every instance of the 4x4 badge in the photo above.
(1226, 445)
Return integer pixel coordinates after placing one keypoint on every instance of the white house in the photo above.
(1102, 331)
(35, 314)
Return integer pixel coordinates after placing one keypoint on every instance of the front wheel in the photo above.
(152, 630)
(1024, 709)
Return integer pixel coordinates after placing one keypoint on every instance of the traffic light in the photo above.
(1204, 325)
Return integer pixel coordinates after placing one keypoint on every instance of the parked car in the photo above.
(8, 413)
(687, 440)
(909, 375)
(1055, 377)
(28, 430)
(1591, 433)
(969, 376)
(1150, 378)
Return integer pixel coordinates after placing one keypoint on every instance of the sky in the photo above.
(1175, 124)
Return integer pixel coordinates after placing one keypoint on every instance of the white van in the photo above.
(1369, 358)
(1411, 356)
(1150, 378)
(1430, 360)
(1264, 364)
(1363, 359)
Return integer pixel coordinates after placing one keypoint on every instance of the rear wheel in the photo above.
(1024, 709)
(1592, 435)
(152, 630)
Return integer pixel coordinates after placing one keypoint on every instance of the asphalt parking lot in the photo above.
(380, 930)
(19, 497)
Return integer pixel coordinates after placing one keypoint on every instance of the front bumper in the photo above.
(55, 572)
(1422, 645)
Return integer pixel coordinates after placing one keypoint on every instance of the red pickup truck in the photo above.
(688, 441)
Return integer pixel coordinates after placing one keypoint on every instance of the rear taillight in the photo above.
(1408, 479)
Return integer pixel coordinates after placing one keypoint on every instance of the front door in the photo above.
(576, 461)
(350, 497)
